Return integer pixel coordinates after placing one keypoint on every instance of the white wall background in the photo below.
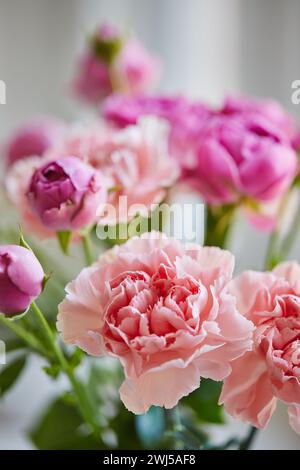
(209, 48)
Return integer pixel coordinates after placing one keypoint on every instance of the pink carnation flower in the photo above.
(122, 110)
(134, 160)
(271, 371)
(186, 119)
(163, 310)
(33, 139)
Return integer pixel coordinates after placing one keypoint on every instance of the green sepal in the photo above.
(22, 241)
(64, 238)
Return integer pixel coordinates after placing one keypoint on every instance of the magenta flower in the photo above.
(186, 119)
(268, 109)
(33, 139)
(21, 279)
(122, 110)
(65, 194)
(239, 157)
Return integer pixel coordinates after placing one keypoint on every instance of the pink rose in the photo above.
(134, 160)
(238, 158)
(33, 139)
(269, 110)
(271, 371)
(66, 193)
(21, 279)
(163, 310)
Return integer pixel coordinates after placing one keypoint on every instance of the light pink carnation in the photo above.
(163, 310)
(134, 160)
(271, 370)
(33, 139)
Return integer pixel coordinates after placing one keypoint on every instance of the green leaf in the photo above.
(64, 238)
(204, 402)
(151, 426)
(14, 344)
(53, 370)
(61, 428)
(10, 374)
(297, 181)
(124, 427)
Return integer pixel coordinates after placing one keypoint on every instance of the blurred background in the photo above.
(209, 48)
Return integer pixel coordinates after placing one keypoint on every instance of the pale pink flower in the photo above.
(271, 370)
(163, 310)
(135, 162)
(294, 417)
(33, 139)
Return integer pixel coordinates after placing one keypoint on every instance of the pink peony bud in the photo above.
(21, 279)
(113, 63)
(135, 68)
(65, 194)
(33, 139)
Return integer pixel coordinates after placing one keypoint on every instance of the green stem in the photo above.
(173, 426)
(248, 441)
(218, 224)
(24, 335)
(291, 236)
(272, 256)
(83, 402)
(276, 252)
(87, 248)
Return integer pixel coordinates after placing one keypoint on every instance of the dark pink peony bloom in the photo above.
(66, 193)
(269, 110)
(241, 157)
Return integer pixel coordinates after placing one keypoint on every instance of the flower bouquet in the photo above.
(153, 332)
